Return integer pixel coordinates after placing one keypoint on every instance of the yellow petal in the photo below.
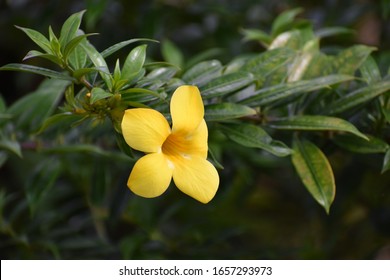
(197, 141)
(145, 129)
(187, 108)
(197, 178)
(186, 145)
(151, 175)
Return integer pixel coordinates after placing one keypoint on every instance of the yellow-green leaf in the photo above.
(315, 172)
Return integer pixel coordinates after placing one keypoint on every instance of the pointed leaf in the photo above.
(11, 146)
(54, 43)
(358, 97)
(134, 62)
(51, 57)
(254, 137)
(284, 21)
(72, 44)
(257, 35)
(109, 51)
(70, 27)
(358, 145)
(315, 172)
(171, 53)
(226, 84)
(78, 56)
(99, 62)
(226, 111)
(37, 70)
(38, 38)
(386, 162)
(307, 122)
(333, 31)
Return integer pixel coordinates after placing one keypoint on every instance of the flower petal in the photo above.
(187, 108)
(197, 141)
(145, 129)
(151, 176)
(197, 178)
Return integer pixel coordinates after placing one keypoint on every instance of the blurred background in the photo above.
(72, 204)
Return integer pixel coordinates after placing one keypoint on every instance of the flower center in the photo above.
(175, 146)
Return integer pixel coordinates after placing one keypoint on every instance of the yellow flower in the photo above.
(179, 153)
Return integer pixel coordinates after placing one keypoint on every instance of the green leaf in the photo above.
(279, 92)
(268, 62)
(349, 60)
(284, 21)
(332, 31)
(299, 67)
(11, 146)
(61, 121)
(37, 70)
(98, 94)
(83, 71)
(139, 95)
(316, 123)
(72, 44)
(370, 71)
(54, 43)
(226, 111)
(203, 72)
(252, 136)
(70, 27)
(99, 62)
(386, 162)
(117, 72)
(315, 172)
(30, 111)
(226, 84)
(38, 39)
(358, 97)
(162, 73)
(358, 145)
(110, 50)
(78, 59)
(134, 62)
(257, 35)
(51, 57)
(171, 53)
